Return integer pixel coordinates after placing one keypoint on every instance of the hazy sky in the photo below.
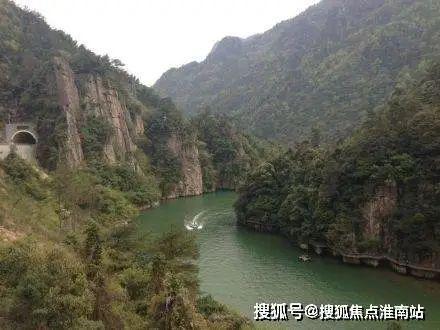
(151, 36)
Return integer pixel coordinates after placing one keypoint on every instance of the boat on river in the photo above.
(305, 258)
(195, 223)
(233, 259)
(193, 226)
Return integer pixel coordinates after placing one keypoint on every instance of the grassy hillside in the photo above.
(324, 69)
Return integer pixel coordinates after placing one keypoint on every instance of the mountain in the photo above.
(88, 112)
(324, 69)
(374, 198)
(83, 147)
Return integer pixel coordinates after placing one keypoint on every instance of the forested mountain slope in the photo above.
(324, 68)
(376, 194)
(70, 254)
(89, 112)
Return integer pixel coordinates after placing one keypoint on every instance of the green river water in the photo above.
(239, 267)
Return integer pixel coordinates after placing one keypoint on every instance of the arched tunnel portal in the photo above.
(24, 137)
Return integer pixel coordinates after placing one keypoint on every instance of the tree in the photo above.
(48, 284)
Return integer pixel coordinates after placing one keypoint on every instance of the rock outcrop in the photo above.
(191, 183)
(377, 212)
(138, 123)
(100, 99)
(104, 102)
(68, 100)
(84, 95)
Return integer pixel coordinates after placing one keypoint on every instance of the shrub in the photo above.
(95, 135)
(47, 284)
(18, 169)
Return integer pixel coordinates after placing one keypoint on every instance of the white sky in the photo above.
(151, 36)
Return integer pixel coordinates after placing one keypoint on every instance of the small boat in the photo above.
(193, 226)
(195, 223)
(305, 258)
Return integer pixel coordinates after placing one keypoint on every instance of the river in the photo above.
(239, 267)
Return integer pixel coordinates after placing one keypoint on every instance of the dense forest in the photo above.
(376, 193)
(324, 69)
(70, 254)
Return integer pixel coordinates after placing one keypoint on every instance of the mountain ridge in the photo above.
(325, 67)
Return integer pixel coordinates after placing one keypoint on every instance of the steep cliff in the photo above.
(69, 102)
(85, 96)
(90, 113)
(190, 183)
(376, 215)
(104, 102)
(201, 155)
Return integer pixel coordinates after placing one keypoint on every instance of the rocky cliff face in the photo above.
(191, 183)
(138, 125)
(69, 102)
(84, 95)
(99, 101)
(88, 110)
(103, 102)
(377, 212)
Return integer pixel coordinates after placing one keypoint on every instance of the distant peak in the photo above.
(226, 48)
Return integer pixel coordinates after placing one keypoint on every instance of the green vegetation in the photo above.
(324, 68)
(377, 192)
(70, 255)
(131, 139)
(227, 155)
(140, 189)
(166, 130)
(75, 261)
(95, 135)
(48, 284)
(224, 154)
(216, 312)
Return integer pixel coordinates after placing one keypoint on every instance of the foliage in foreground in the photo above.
(86, 266)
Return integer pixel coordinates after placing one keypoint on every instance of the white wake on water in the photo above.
(195, 223)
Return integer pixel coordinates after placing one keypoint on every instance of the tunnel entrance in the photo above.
(24, 137)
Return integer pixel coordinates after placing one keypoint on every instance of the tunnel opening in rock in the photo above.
(24, 137)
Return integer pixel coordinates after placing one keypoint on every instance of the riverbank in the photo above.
(370, 260)
(240, 267)
(163, 200)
